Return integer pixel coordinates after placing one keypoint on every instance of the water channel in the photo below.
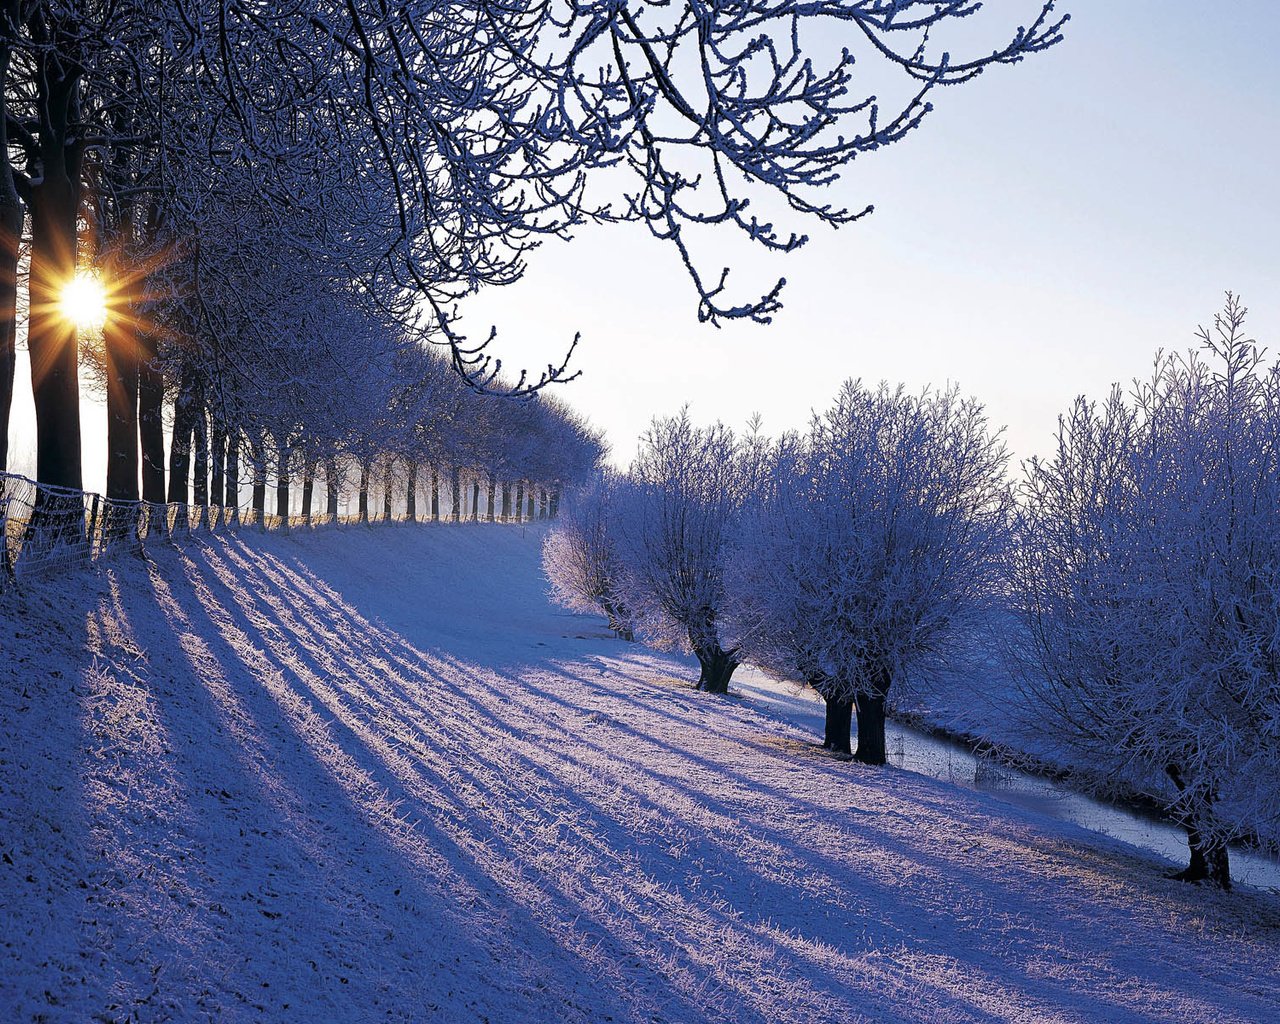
(951, 761)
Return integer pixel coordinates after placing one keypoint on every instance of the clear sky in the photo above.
(1046, 230)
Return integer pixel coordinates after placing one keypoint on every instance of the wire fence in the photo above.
(47, 530)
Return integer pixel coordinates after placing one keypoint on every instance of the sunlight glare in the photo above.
(84, 301)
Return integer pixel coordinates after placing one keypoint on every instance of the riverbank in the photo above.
(974, 765)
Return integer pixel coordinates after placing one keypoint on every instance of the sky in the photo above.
(1046, 230)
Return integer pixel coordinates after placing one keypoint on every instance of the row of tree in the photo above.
(404, 433)
(1132, 580)
(286, 201)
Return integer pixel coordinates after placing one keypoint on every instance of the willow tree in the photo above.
(1149, 573)
(874, 548)
(675, 518)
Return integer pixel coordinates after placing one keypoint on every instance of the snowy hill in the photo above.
(372, 775)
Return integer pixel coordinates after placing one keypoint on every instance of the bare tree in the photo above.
(713, 108)
(416, 158)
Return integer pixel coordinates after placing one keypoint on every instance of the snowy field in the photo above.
(375, 776)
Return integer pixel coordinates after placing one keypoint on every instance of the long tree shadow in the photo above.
(483, 711)
(465, 850)
(46, 805)
(956, 871)
(1074, 868)
(297, 878)
(488, 788)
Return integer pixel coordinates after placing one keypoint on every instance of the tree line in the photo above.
(1130, 580)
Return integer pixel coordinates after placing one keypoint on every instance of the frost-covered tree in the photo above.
(774, 600)
(435, 144)
(1149, 572)
(675, 518)
(716, 108)
(580, 554)
(870, 547)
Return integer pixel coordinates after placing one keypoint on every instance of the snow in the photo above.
(373, 775)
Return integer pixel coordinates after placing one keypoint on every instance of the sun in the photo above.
(84, 301)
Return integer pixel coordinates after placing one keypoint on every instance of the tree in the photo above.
(580, 555)
(687, 484)
(776, 604)
(714, 107)
(875, 543)
(427, 150)
(12, 214)
(1148, 570)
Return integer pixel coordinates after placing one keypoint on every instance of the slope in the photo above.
(371, 775)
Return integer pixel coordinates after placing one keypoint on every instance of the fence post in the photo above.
(141, 527)
(6, 562)
(93, 523)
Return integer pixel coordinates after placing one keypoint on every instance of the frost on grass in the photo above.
(373, 776)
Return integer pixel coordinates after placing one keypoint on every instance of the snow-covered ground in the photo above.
(370, 775)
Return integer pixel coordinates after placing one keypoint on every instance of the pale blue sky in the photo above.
(1048, 228)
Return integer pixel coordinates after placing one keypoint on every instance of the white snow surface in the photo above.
(373, 775)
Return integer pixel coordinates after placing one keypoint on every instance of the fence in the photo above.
(46, 530)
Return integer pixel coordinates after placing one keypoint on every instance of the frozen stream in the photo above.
(943, 759)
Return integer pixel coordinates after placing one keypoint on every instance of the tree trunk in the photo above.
(386, 490)
(1210, 858)
(308, 488)
(411, 494)
(455, 487)
(519, 501)
(218, 482)
(54, 202)
(282, 484)
(151, 420)
(618, 621)
(120, 356)
(51, 339)
(435, 495)
(180, 447)
(542, 503)
(232, 498)
(331, 489)
(529, 497)
(839, 725)
(554, 510)
(364, 493)
(120, 352)
(871, 746)
(717, 667)
(200, 464)
(258, 452)
(493, 495)
(506, 501)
